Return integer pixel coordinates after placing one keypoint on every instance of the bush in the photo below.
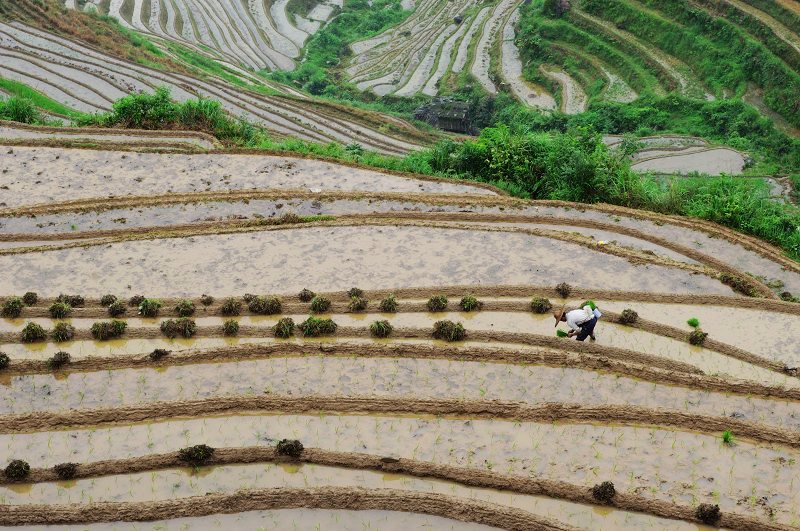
(159, 353)
(117, 308)
(320, 304)
(185, 308)
(448, 331)
(60, 310)
(284, 328)
(17, 470)
(381, 328)
(357, 304)
(206, 300)
(628, 317)
(62, 332)
(470, 303)
(389, 304)
(230, 308)
(697, 337)
(315, 327)
(230, 327)
(306, 295)
(32, 333)
(136, 300)
(563, 290)
(694, 322)
(65, 471)
(105, 330)
(265, 305)
(12, 307)
(355, 292)
(541, 305)
(18, 109)
(108, 300)
(708, 514)
(30, 298)
(604, 492)
(291, 448)
(437, 303)
(149, 307)
(183, 326)
(196, 455)
(76, 301)
(58, 360)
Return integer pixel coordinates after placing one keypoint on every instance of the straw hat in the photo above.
(559, 314)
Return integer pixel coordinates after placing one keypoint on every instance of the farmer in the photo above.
(581, 321)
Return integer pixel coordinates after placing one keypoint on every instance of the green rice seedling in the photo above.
(136, 300)
(357, 304)
(563, 290)
(449, 331)
(265, 305)
(62, 332)
(697, 337)
(541, 305)
(604, 492)
(4, 360)
(149, 307)
(470, 303)
(389, 304)
(32, 333)
(292, 448)
(185, 308)
(315, 327)
(306, 295)
(58, 360)
(183, 326)
(694, 322)
(17, 470)
(76, 301)
(65, 471)
(561, 333)
(708, 513)
(381, 328)
(108, 300)
(230, 308)
(117, 308)
(60, 310)
(206, 300)
(355, 292)
(30, 298)
(284, 328)
(12, 307)
(727, 437)
(628, 317)
(196, 455)
(158, 353)
(230, 327)
(105, 330)
(320, 304)
(437, 303)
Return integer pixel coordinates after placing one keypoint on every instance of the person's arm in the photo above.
(572, 323)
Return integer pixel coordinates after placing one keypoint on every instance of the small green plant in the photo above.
(62, 332)
(389, 304)
(357, 304)
(58, 360)
(105, 330)
(604, 492)
(449, 331)
(116, 308)
(196, 455)
(108, 300)
(76, 301)
(33, 332)
(292, 448)
(136, 300)
(65, 471)
(320, 304)
(12, 307)
(183, 326)
(727, 437)
(469, 303)
(381, 328)
(185, 308)
(708, 514)
(4, 360)
(230, 308)
(284, 328)
(541, 305)
(30, 298)
(437, 303)
(17, 470)
(158, 353)
(788, 297)
(60, 310)
(563, 290)
(561, 333)
(206, 300)
(697, 337)
(355, 292)
(315, 327)
(306, 295)
(230, 327)
(265, 305)
(694, 322)
(149, 307)
(628, 317)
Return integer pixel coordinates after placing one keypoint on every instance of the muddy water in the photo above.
(671, 465)
(422, 378)
(370, 256)
(713, 162)
(180, 483)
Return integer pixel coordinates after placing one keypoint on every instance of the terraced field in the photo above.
(395, 424)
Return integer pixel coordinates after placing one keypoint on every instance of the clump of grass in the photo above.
(105, 330)
(231, 307)
(32, 333)
(306, 295)
(60, 310)
(381, 328)
(694, 322)
(357, 304)
(265, 305)
(561, 333)
(136, 300)
(697, 337)
(563, 290)
(292, 448)
(149, 307)
(108, 300)
(284, 328)
(437, 303)
(628, 317)
(738, 284)
(196, 455)
(604, 492)
(185, 308)
(449, 331)
(389, 304)
(320, 304)
(707, 513)
(355, 292)
(65, 471)
(17, 470)
(206, 300)
(76, 301)
(12, 307)
(30, 298)
(62, 332)
(4, 360)
(117, 308)
(159, 353)
(58, 360)
(247, 297)
(727, 437)
(183, 326)
(315, 327)
(541, 305)
(230, 328)
(470, 303)
(788, 297)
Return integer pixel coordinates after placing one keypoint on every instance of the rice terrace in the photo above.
(400, 264)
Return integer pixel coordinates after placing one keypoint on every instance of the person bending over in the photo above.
(581, 321)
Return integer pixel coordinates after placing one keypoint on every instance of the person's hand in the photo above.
(571, 333)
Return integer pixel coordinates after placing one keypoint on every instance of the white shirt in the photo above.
(576, 318)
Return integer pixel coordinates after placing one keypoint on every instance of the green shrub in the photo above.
(65, 471)
(357, 304)
(108, 300)
(149, 307)
(437, 303)
(284, 328)
(17, 470)
(470, 303)
(697, 337)
(265, 305)
(708, 514)
(389, 304)
(32, 333)
(58, 360)
(22, 110)
(563, 290)
(60, 310)
(291, 448)
(355, 292)
(381, 328)
(105, 330)
(206, 300)
(158, 353)
(448, 331)
(230, 308)
(185, 308)
(694, 322)
(230, 327)
(183, 326)
(76, 301)
(4, 360)
(136, 300)
(30, 298)
(196, 455)
(62, 332)
(315, 327)
(628, 317)
(12, 307)
(320, 304)
(306, 295)
(117, 308)
(541, 305)
(604, 492)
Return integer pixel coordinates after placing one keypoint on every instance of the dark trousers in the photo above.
(587, 329)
